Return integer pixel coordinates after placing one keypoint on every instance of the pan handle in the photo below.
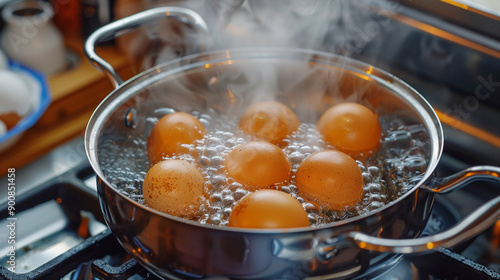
(473, 224)
(462, 178)
(126, 24)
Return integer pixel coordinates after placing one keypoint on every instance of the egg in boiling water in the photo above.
(257, 164)
(331, 178)
(352, 128)
(268, 209)
(173, 186)
(170, 132)
(269, 121)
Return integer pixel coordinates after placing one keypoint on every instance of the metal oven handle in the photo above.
(473, 224)
(124, 25)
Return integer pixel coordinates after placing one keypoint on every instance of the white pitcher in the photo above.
(31, 38)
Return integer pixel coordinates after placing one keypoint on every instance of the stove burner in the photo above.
(443, 264)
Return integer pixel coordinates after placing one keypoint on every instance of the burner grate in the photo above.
(103, 270)
(62, 265)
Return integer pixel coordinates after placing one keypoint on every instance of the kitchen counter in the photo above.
(75, 94)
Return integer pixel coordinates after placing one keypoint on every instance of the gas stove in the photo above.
(62, 235)
(59, 229)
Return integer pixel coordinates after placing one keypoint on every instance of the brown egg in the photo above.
(270, 121)
(352, 128)
(174, 187)
(257, 164)
(268, 209)
(10, 119)
(332, 178)
(170, 132)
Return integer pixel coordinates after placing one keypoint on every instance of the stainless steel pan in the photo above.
(224, 81)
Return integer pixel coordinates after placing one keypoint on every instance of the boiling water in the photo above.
(393, 170)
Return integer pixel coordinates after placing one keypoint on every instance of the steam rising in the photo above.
(343, 27)
(219, 93)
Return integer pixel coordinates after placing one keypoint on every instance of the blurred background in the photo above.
(449, 50)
